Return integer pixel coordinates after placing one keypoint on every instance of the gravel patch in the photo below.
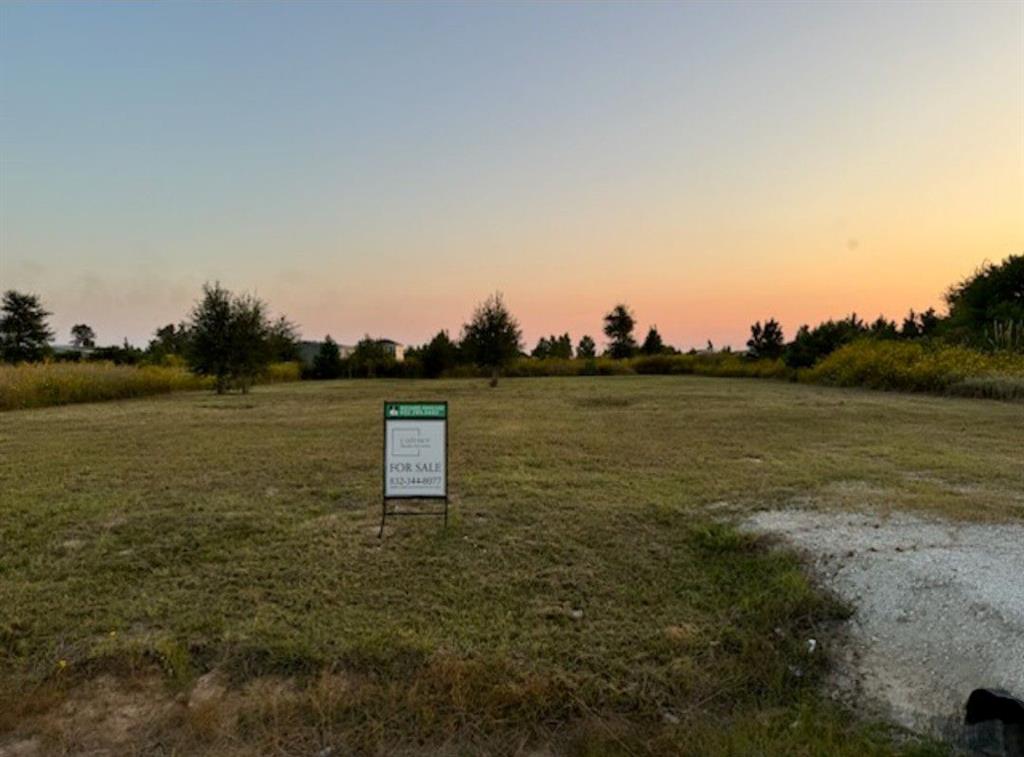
(939, 609)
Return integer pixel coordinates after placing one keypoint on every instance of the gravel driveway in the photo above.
(939, 608)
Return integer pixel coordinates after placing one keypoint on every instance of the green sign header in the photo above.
(407, 410)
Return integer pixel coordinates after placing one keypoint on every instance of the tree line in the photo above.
(233, 339)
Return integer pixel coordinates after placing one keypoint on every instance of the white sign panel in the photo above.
(415, 450)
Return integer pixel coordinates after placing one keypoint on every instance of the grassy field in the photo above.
(209, 565)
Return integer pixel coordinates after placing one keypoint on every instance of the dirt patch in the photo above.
(939, 608)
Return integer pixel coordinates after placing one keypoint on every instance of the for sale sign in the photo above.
(415, 450)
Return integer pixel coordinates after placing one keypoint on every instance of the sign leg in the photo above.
(383, 515)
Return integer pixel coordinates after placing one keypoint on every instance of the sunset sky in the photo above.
(382, 168)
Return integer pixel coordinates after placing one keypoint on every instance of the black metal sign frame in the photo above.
(384, 512)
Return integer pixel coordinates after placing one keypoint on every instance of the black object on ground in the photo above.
(995, 723)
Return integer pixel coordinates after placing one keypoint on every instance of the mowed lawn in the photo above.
(588, 597)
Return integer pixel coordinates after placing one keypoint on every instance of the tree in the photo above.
(910, 328)
(883, 329)
(586, 348)
(810, 345)
(24, 333)
(229, 338)
(369, 356)
(653, 344)
(561, 347)
(283, 337)
(327, 361)
(440, 355)
(930, 322)
(994, 294)
(492, 338)
(250, 340)
(618, 327)
(553, 346)
(168, 341)
(82, 336)
(766, 342)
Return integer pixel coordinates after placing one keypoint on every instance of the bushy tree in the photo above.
(542, 350)
(810, 345)
(992, 294)
(883, 329)
(553, 346)
(910, 328)
(586, 348)
(283, 337)
(24, 332)
(369, 357)
(561, 347)
(168, 341)
(82, 336)
(618, 327)
(653, 344)
(767, 341)
(250, 340)
(327, 363)
(229, 338)
(440, 355)
(492, 338)
(930, 323)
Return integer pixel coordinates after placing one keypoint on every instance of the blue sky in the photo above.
(381, 168)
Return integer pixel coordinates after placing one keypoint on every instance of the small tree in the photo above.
(283, 338)
(168, 341)
(618, 327)
(82, 336)
(910, 328)
(766, 341)
(586, 348)
(24, 333)
(560, 347)
(369, 356)
(327, 361)
(492, 338)
(883, 329)
(653, 344)
(542, 350)
(439, 356)
(228, 338)
(250, 340)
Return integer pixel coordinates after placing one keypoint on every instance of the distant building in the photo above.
(393, 349)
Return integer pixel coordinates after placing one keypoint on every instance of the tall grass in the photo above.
(42, 384)
(278, 373)
(921, 367)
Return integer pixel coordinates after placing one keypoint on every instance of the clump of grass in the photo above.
(994, 387)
